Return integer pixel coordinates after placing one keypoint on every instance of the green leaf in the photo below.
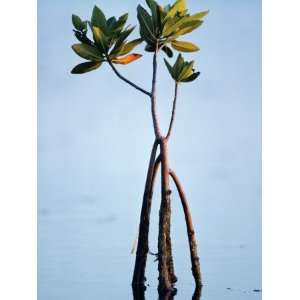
(119, 25)
(188, 27)
(170, 69)
(87, 52)
(154, 10)
(184, 46)
(77, 23)
(86, 67)
(172, 24)
(129, 47)
(168, 51)
(98, 19)
(111, 22)
(186, 71)
(100, 39)
(178, 6)
(81, 36)
(146, 26)
(201, 14)
(191, 78)
(150, 48)
(178, 66)
(161, 18)
(119, 42)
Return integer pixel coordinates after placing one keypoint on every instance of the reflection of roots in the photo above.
(139, 293)
(167, 275)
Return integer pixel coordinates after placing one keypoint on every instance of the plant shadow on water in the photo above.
(139, 294)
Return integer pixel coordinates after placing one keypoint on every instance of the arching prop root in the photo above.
(190, 231)
(167, 275)
(143, 243)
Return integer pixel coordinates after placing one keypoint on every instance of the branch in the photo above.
(153, 97)
(173, 111)
(126, 80)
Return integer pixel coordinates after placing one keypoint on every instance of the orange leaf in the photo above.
(127, 59)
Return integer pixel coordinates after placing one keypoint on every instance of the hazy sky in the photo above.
(95, 120)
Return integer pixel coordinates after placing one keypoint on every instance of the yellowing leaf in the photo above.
(201, 14)
(184, 46)
(179, 6)
(127, 59)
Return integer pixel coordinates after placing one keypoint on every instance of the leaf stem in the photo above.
(173, 111)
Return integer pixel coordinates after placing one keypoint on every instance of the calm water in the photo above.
(85, 243)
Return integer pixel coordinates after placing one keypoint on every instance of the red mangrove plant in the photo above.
(160, 29)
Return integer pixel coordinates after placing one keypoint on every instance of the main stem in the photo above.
(155, 120)
(165, 282)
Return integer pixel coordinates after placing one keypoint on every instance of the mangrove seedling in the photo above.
(105, 40)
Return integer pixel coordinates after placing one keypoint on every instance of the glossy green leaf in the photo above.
(120, 40)
(155, 14)
(168, 51)
(100, 39)
(188, 27)
(192, 77)
(86, 67)
(170, 69)
(149, 48)
(111, 22)
(119, 25)
(184, 46)
(178, 66)
(146, 24)
(127, 48)
(98, 19)
(77, 23)
(81, 36)
(186, 71)
(87, 52)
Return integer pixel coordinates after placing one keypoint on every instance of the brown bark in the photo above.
(197, 293)
(143, 242)
(164, 219)
(190, 231)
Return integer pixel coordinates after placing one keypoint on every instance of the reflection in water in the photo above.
(139, 294)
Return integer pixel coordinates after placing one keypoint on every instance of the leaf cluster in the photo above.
(160, 27)
(108, 42)
(182, 71)
(163, 26)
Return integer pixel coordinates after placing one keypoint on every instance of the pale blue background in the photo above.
(94, 139)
